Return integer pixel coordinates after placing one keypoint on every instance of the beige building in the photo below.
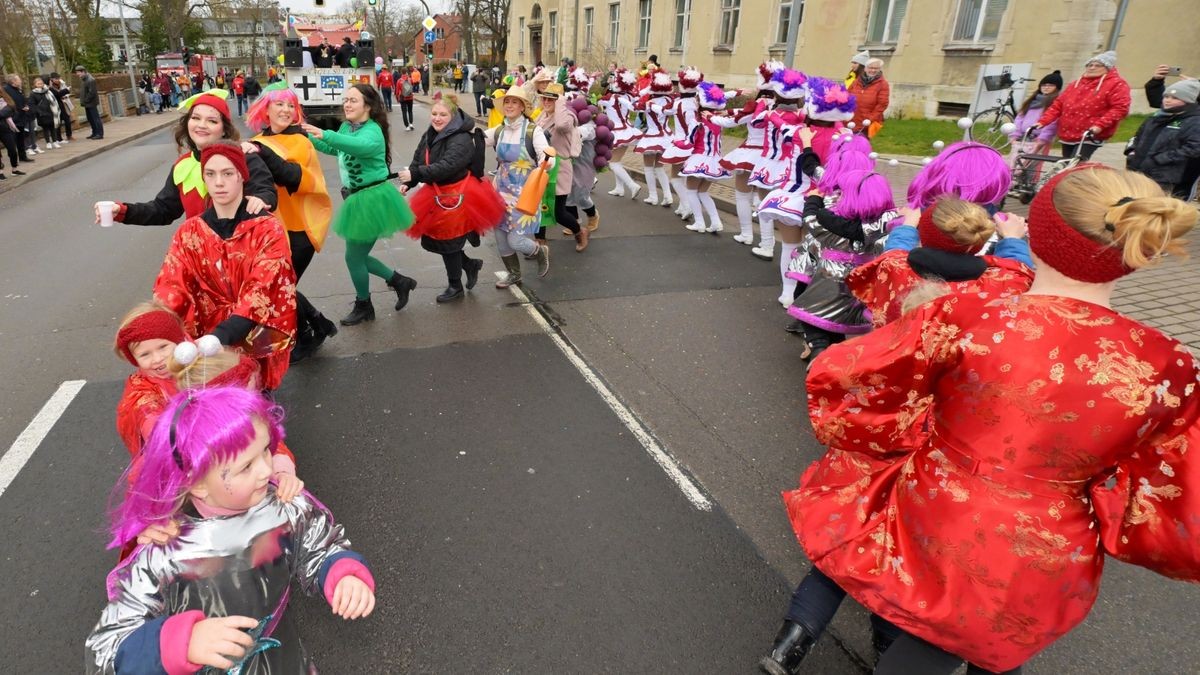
(932, 49)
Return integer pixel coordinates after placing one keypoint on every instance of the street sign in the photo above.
(429, 23)
(430, 36)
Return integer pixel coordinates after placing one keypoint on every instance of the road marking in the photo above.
(660, 456)
(22, 449)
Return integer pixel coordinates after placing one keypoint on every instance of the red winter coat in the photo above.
(1089, 101)
(871, 100)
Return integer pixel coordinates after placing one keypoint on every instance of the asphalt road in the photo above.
(513, 522)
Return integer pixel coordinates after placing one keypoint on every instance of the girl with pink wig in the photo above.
(217, 595)
(973, 172)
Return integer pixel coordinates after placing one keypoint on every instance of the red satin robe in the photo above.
(884, 283)
(205, 279)
(141, 403)
(1060, 431)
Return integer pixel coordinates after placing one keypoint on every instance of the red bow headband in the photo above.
(932, 236)
(157, 325)
(232, 152)
(1066, 249)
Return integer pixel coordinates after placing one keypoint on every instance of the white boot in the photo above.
(786, 251)
(692, 197)
(744, 207)
(622, 180)
(684, 209)
(766, 245)
(714, 217)
(664, 179)
(651, 189)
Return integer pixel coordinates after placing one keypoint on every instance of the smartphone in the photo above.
(1175, 71)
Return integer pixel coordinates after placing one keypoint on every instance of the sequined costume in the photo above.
(1058, 431)
(241, 564)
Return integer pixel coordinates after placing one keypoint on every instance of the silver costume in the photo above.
(225, 566)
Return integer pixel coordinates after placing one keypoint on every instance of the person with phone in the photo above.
(1155, 87)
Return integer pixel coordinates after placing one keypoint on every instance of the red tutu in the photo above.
(450, 211)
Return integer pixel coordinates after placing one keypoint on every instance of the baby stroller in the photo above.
(1031, 171)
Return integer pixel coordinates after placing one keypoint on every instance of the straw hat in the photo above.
(520, 94)
(554, 90)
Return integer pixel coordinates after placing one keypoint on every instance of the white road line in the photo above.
(22, 449)
(631, 422)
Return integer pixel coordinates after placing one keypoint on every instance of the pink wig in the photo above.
(257, 118)
(838, 165)
(866, 195)
(210, 426)
(848, 141)
(973, 172)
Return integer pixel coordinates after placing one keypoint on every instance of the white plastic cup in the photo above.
(106, 213)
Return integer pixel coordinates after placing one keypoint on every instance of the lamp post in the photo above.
(128, 51)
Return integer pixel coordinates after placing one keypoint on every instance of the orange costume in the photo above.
(308, 208)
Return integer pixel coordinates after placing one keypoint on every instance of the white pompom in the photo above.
(893, 162)
(926, 160)
(852, 125)
(938, 145)
(873, 155)
(965, 123)
(1008, 128)
(209, 345)
(186, 353)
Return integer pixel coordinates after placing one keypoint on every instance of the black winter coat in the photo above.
(39, 105)
(450, 153)
(20, 115)
(1164, 145)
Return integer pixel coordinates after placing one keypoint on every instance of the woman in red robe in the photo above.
(1057, 432)
(229, 274)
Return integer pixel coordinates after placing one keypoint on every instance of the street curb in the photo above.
(25, 180)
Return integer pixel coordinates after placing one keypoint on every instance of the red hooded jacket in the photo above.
(1089, 101)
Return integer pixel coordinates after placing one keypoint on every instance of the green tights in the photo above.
(361, 265)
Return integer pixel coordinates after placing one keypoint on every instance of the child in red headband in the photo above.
(146, 338)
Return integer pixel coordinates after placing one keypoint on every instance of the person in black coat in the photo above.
(63, 94)
(22, 117)
(1168, 143)
(345, 53)
(1155, 87)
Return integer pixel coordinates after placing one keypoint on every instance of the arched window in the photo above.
(535, 14)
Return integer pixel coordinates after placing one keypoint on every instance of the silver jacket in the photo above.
(225, 566)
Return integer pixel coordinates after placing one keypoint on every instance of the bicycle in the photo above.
(1031, 172)
(988, 125)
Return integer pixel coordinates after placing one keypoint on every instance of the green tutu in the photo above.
(377, 212)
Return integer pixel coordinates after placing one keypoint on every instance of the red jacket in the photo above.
(871, 100)
(1096, 101)
(384, 79)
(239, 85)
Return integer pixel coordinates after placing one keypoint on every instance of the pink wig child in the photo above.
(973, 172)
(853, 229)
(227, 578)
(804, 263)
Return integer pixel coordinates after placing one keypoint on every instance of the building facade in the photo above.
(238, 44)
(447, 44)
(932, 49)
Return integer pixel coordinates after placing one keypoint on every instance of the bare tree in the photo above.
(491, 16)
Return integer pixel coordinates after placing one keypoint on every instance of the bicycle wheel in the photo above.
(988, 128)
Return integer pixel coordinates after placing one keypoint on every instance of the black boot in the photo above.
(472, 267)
(451, 294)
(403, 286)
(321, 328)
(818, 341)
(363, 311)
(792, 644)
(303, 347)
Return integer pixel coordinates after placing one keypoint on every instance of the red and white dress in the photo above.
(746, 156)
(705, 141)
(656, 137)
(684, 118)
(618, 108)
(774, 167)
(1053, 432)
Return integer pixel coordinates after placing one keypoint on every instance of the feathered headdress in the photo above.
(625, 81)
(660, 83)
(689, 79)
(766, 71)
(828, 101)
(711, 96)
(789, 83)
(579, 80)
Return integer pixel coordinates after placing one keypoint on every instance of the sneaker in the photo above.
(696, 227)
(65, 142)
(763, 253)
(746, 239)
(18, 172)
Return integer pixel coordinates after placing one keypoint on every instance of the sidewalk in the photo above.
(117, 131)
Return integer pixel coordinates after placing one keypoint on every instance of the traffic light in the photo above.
(370, 2)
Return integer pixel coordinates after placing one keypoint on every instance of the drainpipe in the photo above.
(793, 33)
(1115, 32)
(574, 35)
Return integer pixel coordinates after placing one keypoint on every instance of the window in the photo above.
(644, 9)
(553, 31)
(521, 23)
(223, 49)
(884, 23)
(978, 20)
(614, 25)
(785, 17)
(730, 9)
(681, 23)
(588, 17)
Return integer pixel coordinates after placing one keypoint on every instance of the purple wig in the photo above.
(257, 117)
(866, 195)
(838, 165)
(847, 141)
(973, 172)
(210, 426)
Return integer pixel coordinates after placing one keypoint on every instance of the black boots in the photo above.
(451, 294)
(472, 267)
(403, 286)
(363, 311)
(312, 337)
(792, 644)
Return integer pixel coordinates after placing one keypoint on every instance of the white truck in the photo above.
(320, 90)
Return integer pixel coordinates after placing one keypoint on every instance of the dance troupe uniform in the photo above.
(883, 284)
(774, 168)
(653, 104)
(223, 563)
(705, 163)
(746, 156)
(1058, 431)
(617, 105)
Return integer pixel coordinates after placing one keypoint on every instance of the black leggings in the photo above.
(406, 111)
(565, 216)
(302, 255)
(1085, 150)
(9, 139)
(455, 263)
(589, 211)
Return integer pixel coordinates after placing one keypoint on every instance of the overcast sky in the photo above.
(108, 8)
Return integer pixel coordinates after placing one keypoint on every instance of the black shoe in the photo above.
(363, 311)
(472, 269)
(403, 286)
(2, 176)
(796, 327)
(302, 349)
(323, 328)
(451, 294)
(18, 172)
(792, 644)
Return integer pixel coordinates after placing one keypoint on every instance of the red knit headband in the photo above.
(229, 151)
(932, 236)
(1066, 249)
(237, 376)
(215, 102)
(157, 325)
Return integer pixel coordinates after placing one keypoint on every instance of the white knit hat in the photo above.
(861, 58)
(1106, 59)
